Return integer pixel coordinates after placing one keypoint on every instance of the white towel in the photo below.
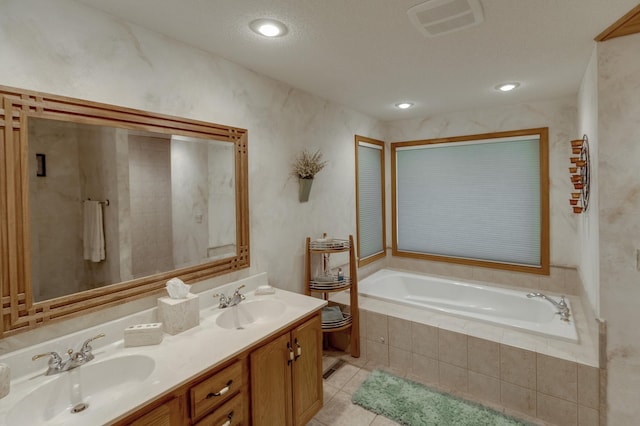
(93, 231)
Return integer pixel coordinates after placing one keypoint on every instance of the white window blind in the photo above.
(471, 200)
(370, 204)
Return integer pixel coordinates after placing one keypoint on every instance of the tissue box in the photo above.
(178, 315)
(143, 334)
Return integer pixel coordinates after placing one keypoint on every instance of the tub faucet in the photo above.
(232, 300)
(76, 359)
(563, 308)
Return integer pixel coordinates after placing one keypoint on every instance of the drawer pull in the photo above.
(228, 422)
(298, 350)
(291, 356)
(221, 391)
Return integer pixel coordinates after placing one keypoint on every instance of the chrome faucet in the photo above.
(76, 359)
(233, 300)
(563, 308)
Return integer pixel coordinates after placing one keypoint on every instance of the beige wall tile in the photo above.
(517, 398)
(452, 348)
(377, 327)
(483, 356)
(424, 340)
(518, 366)
(588, 416)
(572, 283)
(363, 323)
(588, 386)
(399, 359)
(400, 333)
(453, 377)
(424, 369)
(484, 388)
(377, 353)
(561, 280)
(556, 410)
(557, 377)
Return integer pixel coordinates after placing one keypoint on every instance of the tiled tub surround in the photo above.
(536, 378)
(177, 358)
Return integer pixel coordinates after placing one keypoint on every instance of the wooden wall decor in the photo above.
(628, 24)
(580, 175)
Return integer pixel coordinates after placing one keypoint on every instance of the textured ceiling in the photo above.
(367, 55)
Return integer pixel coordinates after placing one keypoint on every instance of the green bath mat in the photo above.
(413, 404)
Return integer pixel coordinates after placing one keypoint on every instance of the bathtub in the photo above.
(498, 306)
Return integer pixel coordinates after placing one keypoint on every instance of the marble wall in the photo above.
(56, 210)
(62, 47)
(619, 204)
(150, 204)
(80, 165)
(588, 241)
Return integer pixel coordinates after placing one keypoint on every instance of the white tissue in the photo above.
(177, 289)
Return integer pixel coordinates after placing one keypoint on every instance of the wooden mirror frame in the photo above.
(19, 312)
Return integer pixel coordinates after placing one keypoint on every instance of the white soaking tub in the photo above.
(500, 306)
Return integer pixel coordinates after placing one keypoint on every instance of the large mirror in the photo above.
(102, 204)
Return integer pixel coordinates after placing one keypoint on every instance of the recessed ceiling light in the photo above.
(268, 27)
(507, 87)
(404, 105)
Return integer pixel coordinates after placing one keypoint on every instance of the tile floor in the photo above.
(338, 410)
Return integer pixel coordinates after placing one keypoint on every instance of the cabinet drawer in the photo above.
(217, 389)
(229, 414)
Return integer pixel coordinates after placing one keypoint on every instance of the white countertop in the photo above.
(177, 358)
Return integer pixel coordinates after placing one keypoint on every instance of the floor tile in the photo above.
(340, 411)
(328, 392)
(383, 421)
(354, 384)
(342, 375)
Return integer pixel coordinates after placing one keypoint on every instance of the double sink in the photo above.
(90, 393)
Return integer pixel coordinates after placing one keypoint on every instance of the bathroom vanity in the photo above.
(259, 363)
(259, 384)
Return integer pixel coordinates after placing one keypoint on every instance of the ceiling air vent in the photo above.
(438, 17)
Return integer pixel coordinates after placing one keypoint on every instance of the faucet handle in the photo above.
(238, 289)
(224, 300)
(54, 360)
(86, 347)
(562, 302)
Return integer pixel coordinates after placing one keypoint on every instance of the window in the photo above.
(370, 199)
(480, 200)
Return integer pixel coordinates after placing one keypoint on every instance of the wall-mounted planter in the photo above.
(304, 189)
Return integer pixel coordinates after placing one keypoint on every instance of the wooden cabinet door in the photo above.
(271, 403)
(167, 414)
(307, 370)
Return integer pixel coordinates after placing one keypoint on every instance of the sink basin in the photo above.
(248, 313)
(91, 389)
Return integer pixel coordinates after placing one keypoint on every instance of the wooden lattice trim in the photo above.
(19, 313)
